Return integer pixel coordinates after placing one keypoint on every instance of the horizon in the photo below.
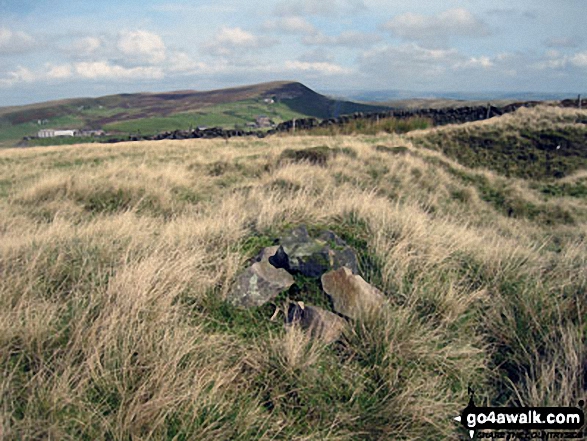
(386, 95)
(53, 50)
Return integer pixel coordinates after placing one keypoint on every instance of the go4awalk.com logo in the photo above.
(542, 420)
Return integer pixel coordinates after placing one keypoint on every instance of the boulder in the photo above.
(351, 295)
(321, 324)
(313, 257)
(305, 255)
(274, 255)
(345, 257)
(259, 284)
(266, 253)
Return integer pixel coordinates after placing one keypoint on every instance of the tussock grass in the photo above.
(372, 127)
(538, 143)
(115, 262)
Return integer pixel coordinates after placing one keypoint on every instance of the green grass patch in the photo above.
(314, 155)
(5, 186)
(373, 127)
(506, 201)
(526, 153)
(399, 150)
(575, 189)
(229, 116)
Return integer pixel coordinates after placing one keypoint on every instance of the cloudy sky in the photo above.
(53, 49)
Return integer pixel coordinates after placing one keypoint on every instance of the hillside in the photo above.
(117, 264)
(150, 113)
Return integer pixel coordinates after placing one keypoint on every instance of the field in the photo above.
(151, 113)
(115, 261)
(220, 115)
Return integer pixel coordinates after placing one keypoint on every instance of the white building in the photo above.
(51, 133)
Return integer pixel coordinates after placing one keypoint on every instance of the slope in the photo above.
(152, 112)
(115, 261)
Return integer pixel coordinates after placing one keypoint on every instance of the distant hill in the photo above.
(155, 112)
(413, 99)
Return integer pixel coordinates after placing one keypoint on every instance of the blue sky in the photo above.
(51, 49)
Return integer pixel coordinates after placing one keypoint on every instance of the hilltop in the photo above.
(150, 113)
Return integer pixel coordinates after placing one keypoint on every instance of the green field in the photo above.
(228, 116)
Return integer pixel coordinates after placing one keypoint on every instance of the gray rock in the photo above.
(274, 255)
(305, 255)
(351, 295)
(330, 237)
(259, 284)
(266, 253)
(313, 257)
(321, 324)
(344, 258)
(279, 259)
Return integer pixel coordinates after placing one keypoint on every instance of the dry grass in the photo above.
(114, 262)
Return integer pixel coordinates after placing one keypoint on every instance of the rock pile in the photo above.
(325, 258)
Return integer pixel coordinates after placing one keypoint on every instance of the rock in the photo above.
(259, 284)
(344, 258)
(340, 254)
(266, 253)
(274, 255)
(321, 324)
(332, 238)
(313, 257)
(305, 255)
(351, 295)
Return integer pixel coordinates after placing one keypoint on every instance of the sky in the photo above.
(53, 49)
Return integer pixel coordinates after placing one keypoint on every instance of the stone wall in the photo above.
(449, 115)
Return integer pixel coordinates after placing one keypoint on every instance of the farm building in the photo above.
(91, 133)
(263, 121)
(51, 133)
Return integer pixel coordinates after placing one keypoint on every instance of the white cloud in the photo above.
(142, 45)
(579, 59)
(436, 29)
(409, 65)
(482, 62)
(85, 46)
(317, 54)
(347, 39)
(59, 72)
(236, 37)
(555, 60)
(232, 41)
(104, 70)
(182, 63)
(324, 68)
(290, 25)
(19, 75)
(12, 42)
(317, 7)
(96, 70)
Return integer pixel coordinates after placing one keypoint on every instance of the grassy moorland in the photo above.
(115, 260)
(549, 143)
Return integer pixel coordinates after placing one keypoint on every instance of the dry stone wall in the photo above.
(449, 115)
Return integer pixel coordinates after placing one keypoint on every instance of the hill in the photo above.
(150, 113)
(117, 261)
